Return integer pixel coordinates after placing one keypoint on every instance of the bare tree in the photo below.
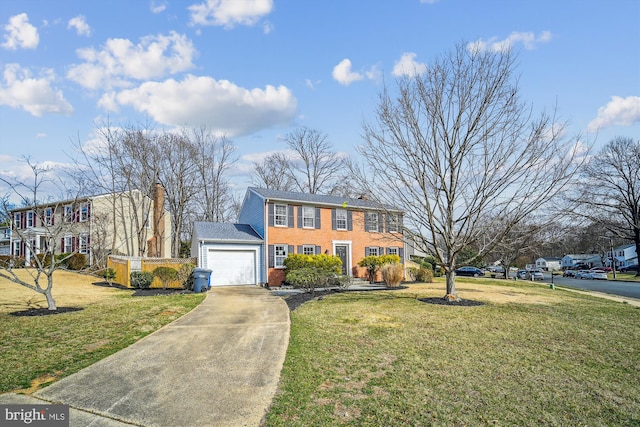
(215, 156)
(610, 190)
(461, 154)
(273, 173)
(40, 243)
(316, 166)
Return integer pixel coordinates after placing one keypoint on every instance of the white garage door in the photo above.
(232, 267)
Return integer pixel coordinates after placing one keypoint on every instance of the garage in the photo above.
(232, 267)
(233, 252)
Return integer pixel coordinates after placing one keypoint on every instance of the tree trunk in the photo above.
(51, 304)
(451, 295)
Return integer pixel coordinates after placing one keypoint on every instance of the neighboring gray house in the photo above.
(232, 251)
(548, 263)
(625, 256)
(5, 240)
(571, 260)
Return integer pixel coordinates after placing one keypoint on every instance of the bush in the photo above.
(185, 275)
(109, 274)
(166, 275)
(76, 262)
(330, 263)
(392, 274)
(141, 279)
(309, 278)
(9, 261)
(421, 274)
(372, 263)
(44, 259)
(309, 272)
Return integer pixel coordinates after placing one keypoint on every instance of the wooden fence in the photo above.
(123, 266)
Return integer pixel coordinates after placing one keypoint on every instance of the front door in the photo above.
(341, 252)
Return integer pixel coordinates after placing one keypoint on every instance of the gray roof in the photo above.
(223, 231)
(318, 199)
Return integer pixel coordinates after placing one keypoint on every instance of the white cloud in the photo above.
(158, 6)
(120, 61)
(80, 25)
(20, 90)
(408, 66)
(219, 104)
(228, 13)
(342, 73)
(528, 39)
(618, 112)
(20, 33)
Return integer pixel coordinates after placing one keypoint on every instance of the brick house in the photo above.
(274, 224)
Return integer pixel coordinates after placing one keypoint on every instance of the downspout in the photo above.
(265, 243)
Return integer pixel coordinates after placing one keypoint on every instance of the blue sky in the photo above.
(257, 69)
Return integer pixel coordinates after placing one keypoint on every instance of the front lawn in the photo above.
(529, 356)
(36, 350)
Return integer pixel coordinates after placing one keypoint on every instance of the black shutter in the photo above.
(272, 256)
(366, 223)
(290, 216)
(300, 249)
(318, 218)
(271, 215)
(333, 219)
(366, 251)
(380, 223)
(401, 254)
(290, 251)
(318, 250)
(349, 221)
(380, 251)
(300, 217)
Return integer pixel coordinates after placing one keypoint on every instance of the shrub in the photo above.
(308, 278)
(141, 279)
(166, 275)
(330, 263)
(44, 259)
(372, 263)
(76, 261)
(185, 275)
(109, 274)
(392, 274)
(421, 274)
(9, 261)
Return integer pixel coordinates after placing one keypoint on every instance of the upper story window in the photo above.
(280, 215)
(84, 212)
(371, 221)
(393, 223)
(341, 219)
(48, 216)
(17, 220)
(30, 216)
(281, 252)
(308, 217)
(68, 213)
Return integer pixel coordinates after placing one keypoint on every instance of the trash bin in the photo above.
(201, 279)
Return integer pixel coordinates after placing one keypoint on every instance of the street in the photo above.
(614, 287)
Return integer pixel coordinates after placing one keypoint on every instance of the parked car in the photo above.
(521, 274)
(469, 271)
(569, 273)
(583, 274)
(598, 275)
(534, 275)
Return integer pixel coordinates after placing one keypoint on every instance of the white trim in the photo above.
(349, 245)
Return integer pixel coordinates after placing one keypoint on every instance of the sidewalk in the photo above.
(219, 365)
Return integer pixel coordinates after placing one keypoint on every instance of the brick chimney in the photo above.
(156, 245)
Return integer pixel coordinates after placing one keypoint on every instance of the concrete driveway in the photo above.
(219, 365)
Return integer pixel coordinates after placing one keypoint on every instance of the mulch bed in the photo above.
(44, 311)
(442, 301)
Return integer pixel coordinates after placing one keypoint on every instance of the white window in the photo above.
(392, 251)
(341, 219)
(393, 223)
(84, 212)
(68, 213)
(308, 217)
(17, 220)
(280, 252)
(30, 219)
(83, 247)
(308, 249)
(371, 251)
(16, 248)
(280, 215)
(68, 241)
(48, 216)
(372, 221)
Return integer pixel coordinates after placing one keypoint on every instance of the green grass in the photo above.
(553, 358)
(41, 349)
